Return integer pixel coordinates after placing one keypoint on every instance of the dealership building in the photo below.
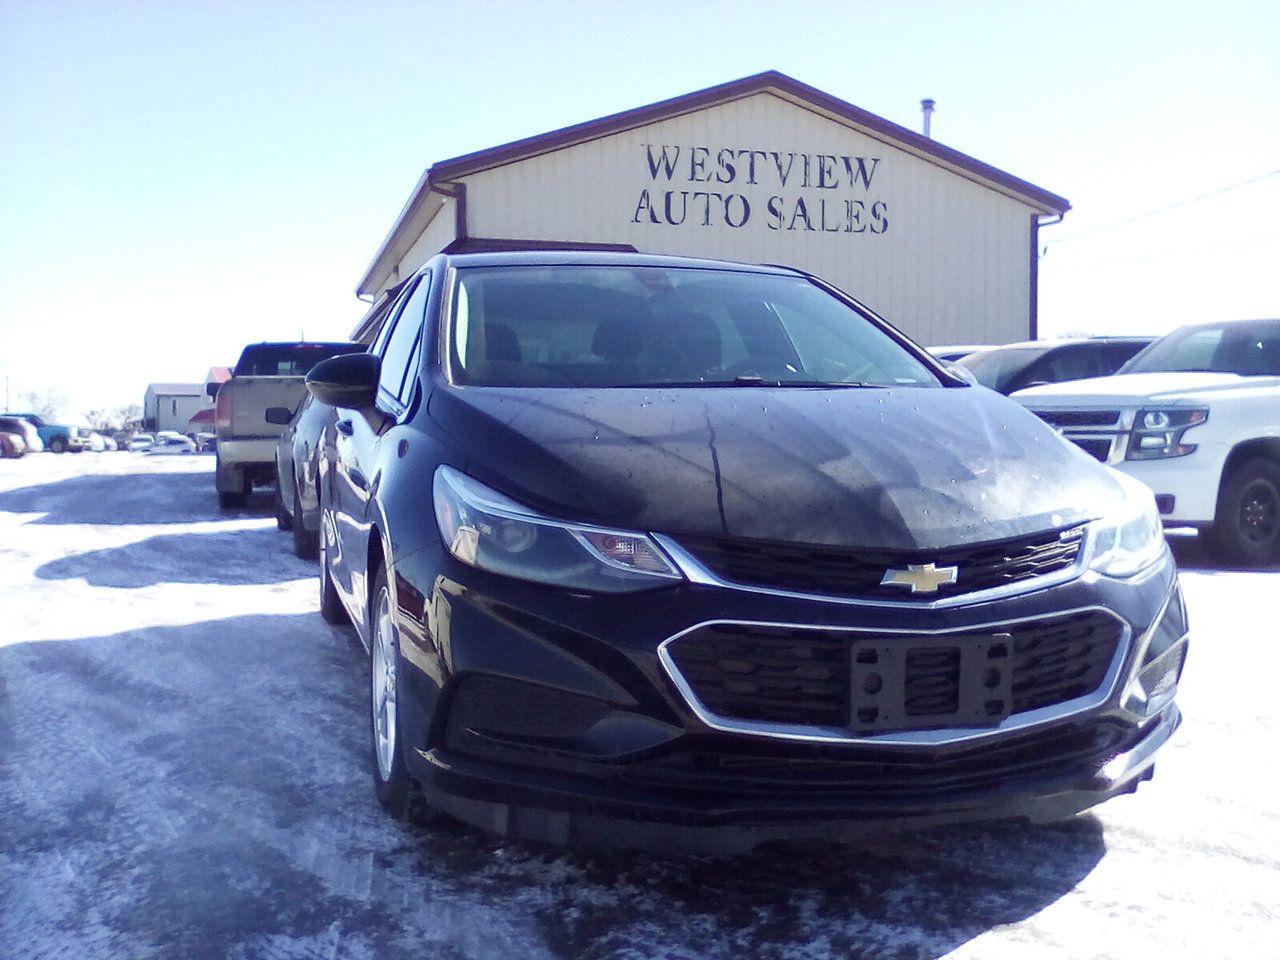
(764, 170)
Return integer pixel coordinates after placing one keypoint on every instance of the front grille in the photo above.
(1079, 418)
(813, 770)
(858, 573)
(1097, 447)
(818, 677)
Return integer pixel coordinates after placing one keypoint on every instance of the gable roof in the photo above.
(176, 389)
(771, 81)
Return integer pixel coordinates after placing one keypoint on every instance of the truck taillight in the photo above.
(222, 410)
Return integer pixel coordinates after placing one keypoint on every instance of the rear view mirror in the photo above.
(349, 381)
(212, 390)
(280, 416)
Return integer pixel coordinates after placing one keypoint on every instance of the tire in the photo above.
(306, 544)
(58, 445)
(1246, 527)
(283, 520)
(231, 499)
(331, 608)
(391, 780)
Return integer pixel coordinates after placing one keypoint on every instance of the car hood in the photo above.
(1166, 386)
(903, 469)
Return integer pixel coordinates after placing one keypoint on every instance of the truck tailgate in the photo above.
(248, 398)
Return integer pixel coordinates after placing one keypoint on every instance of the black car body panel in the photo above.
(778, 465)
(549, 713)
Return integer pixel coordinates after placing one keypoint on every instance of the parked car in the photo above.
(56, 437)
(1038, 362)
(1196, 417)
(672, 553)
(24, 429)
(952, 352)
(297, 460)
(266, 375)
(171, 442)
(141, 441)
(206, 442)
(109, 443)
(12, 445)
(97, 443)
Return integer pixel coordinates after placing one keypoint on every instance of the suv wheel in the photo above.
(392, 782)
(58, 445)
(1246, 528)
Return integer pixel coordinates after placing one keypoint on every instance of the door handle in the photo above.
(345, 427)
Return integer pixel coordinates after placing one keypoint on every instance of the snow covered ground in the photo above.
(183, 774)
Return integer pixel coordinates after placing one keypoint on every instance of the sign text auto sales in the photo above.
(694, 186)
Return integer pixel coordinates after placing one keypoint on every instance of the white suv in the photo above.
(1196, 417)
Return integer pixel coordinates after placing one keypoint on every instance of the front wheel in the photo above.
(392, 782)
(283, 520)
(1246, 527)
(58, 445)
(331, 609)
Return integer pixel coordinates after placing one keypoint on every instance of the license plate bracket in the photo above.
(880, 676)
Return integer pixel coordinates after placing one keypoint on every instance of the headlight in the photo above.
(1131, 541)
(485, 529)
(1157, 434)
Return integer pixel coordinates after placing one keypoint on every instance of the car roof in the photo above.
(606, 258)
(1066, 342)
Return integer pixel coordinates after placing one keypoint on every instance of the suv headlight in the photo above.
(1157, 433)
(1132, 540)
(485, 529)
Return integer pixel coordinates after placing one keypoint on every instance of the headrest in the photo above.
(617, 341)
(500, 343)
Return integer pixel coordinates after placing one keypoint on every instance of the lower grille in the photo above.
(1097, 447)
(865, 682)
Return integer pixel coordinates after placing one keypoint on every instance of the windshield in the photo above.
(288, 359)
(615, 326)
(997, 368)
(1249, 348)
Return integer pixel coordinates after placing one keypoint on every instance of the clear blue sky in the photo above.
(179, 178)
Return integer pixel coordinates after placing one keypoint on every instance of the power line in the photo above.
(1165, 209)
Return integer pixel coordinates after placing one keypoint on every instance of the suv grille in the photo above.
(818, 569)
(1097, 447)
(1079, 418)
(805, 676)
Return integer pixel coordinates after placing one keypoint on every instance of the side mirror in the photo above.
(964, 373)
(280, 416)
(212, 390)
(349, 381)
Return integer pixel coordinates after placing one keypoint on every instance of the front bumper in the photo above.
(521, 805)
(610, 751)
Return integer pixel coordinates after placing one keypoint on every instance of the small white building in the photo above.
(169, 406)
(765, 170)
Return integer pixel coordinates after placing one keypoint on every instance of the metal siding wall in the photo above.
(952, 266)
(440, 232)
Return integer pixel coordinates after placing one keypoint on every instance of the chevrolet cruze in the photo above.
(665, 553)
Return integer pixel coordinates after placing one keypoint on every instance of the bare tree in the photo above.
(47, 404)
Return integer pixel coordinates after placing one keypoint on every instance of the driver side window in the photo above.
(395, 387)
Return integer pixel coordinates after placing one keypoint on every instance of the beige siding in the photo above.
(440, 232)
(952, 264)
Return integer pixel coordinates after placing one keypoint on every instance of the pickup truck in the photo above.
(55, 436)
(266, 375)
(1196, 417)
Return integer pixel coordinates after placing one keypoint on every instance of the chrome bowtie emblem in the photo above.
(920, 577)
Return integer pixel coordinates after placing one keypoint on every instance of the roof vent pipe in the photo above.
(926, 108)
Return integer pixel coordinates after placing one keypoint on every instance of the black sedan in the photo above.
(297, 502)
(1039, 362)
(669, 553)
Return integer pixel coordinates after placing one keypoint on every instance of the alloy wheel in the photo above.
(384, 686)
(1260, 512)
